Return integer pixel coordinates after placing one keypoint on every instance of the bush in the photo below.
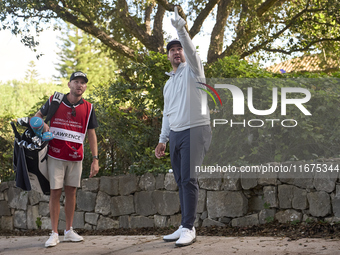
(6, 149)
(129, 114)
(314, 137)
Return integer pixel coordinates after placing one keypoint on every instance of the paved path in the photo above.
(154, 245)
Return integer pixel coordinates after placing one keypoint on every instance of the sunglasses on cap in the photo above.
(73, 113)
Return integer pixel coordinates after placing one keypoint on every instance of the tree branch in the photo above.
(196, 27)
(132, 26)
(217, 34)
(85, 14)
(272, 38)
(91, 29)
(170, 7)
(264, 7)
(157, 36)
(302, 49)
(243, 35)
(154, 43)
(318, 22)
(147, 21)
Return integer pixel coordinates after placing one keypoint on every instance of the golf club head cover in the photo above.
(37, 125)
(23, 121)
(47, 136)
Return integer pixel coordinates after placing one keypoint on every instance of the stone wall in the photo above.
(225, 198)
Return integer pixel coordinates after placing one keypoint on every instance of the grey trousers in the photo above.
(187, 150)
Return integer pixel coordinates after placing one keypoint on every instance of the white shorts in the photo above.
(62, 173)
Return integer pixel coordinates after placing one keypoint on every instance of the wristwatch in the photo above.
(95, 157)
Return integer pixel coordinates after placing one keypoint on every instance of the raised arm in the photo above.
(191, 55)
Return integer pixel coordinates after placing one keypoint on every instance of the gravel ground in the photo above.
(289, 230)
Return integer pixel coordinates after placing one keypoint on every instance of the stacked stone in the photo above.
(21, 209)
(233, 198)
(102, 203)
(243, 199)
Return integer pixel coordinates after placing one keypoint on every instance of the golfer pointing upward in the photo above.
(184, 126)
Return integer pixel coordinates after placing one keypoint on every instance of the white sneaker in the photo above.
(187, 237)
(53, 240)
(72, 236)
(174, 236)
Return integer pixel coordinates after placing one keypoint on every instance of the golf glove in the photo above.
(178, 22)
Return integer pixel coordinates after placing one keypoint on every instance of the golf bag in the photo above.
(30, 162)
(30, 155)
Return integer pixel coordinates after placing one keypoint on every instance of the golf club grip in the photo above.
(16, 133)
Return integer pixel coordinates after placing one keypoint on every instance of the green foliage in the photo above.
(83, 52)
(269, 219)
(38, 222)
(31, 73)
(129, 114)
(314, 135)
(233, 67)
(295, 222)
(6, 148)
(309, 220)
(266, 205)
(18, 97)
(149, 163)
(131, 28)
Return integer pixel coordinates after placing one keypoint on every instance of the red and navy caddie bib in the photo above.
(69, 131)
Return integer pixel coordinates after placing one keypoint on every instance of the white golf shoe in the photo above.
(72, 236)
(174, 236)
(53, 240)
(187, 237)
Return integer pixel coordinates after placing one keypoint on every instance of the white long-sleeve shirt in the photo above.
(182, 98)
